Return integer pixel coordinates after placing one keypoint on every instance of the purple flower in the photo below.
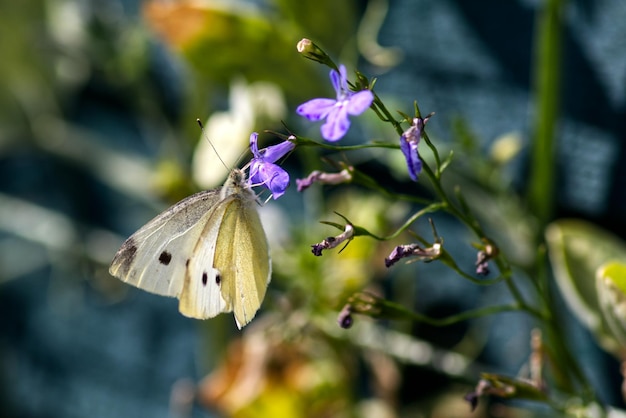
(336, 111)
(409, 141)
(263, 170)
(409, 149)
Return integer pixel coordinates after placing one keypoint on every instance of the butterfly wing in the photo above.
(230, 268)
(243, 257)
(154, 257)
(201, 295)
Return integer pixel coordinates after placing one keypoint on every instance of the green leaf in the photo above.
(223, 42)
(615, 271)
(578, 249)
(611, 287)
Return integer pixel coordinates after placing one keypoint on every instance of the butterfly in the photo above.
(209, 250)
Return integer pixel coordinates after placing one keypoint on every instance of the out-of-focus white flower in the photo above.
(230, 131)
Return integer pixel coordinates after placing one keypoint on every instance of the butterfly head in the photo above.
(235, 184)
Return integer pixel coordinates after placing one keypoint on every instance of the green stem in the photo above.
(393, 310)
(433, 207)
(435, 153)
(542, 179)
(387, 115)
(547, 91)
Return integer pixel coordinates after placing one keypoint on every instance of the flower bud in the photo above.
(345, 319)
(409, 250)
(344, 176)
(308, 49)
(486, 253)
(332, 242)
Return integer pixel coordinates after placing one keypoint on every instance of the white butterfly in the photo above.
(209, 250)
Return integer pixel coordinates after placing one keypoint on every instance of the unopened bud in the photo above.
(413, 250)
(344, 176)
(332, 242)
(308, 49)
(345, 318)
(487, 253)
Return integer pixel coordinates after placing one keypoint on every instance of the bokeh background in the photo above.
(98, 133)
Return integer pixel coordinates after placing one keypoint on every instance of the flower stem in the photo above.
(547, 91)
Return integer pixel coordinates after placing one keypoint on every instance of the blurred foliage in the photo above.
(153, 71)
(578, 251)
(220, 39)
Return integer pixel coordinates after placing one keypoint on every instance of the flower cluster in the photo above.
(264, 171)
(336, 112)
(353, 98)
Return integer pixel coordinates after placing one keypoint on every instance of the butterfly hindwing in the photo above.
(242, 257)
(153, 258)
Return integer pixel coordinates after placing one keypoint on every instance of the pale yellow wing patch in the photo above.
(242, 258)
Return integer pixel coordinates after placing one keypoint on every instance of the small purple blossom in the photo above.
(345, 319)
(482, 263)
(336, 111)
(316, 176)
(484, 255)
(409, 250)
(409, 141)
(332, 242)
(263, 171)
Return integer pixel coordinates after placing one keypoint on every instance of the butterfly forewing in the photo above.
(201, 296)
(153, 258)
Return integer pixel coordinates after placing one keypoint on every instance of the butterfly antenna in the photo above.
(241, 156)
(211, 143)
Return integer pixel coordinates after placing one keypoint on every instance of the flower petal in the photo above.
(413, 162)
(360, 102)
(316, 109)
(343, 79)
(275, 179)
(340, 81)
(253, 144)
(273, 153)
(337, 124)
(254, 177)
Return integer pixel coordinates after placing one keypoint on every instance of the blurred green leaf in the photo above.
(513, 387)
(577, 250)
(331, 24)
(225, 41)
(611, 287)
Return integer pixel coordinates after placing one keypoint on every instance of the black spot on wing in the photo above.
(218, 279)
(165, 258)
(205, 278)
